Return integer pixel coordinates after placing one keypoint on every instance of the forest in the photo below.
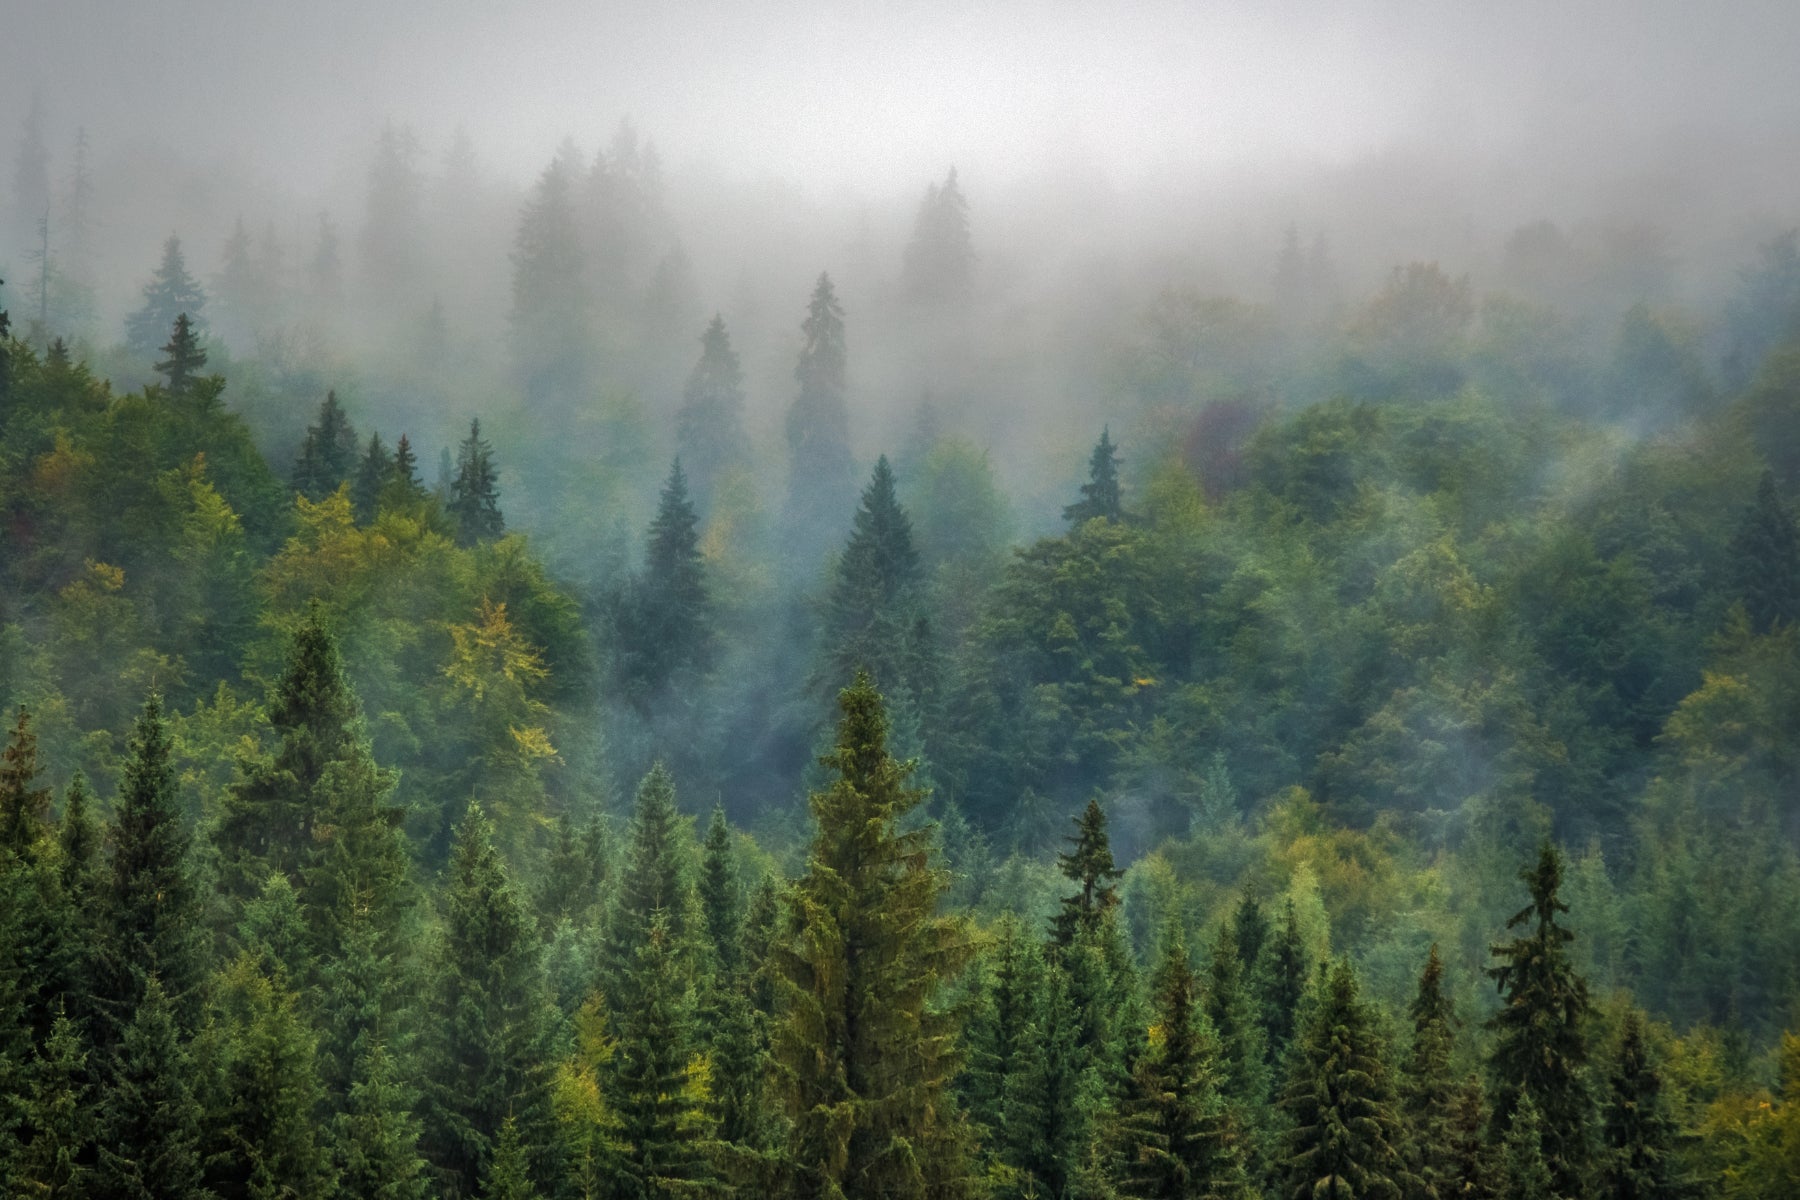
(499, 705)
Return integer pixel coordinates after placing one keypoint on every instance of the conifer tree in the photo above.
(509, 1175)
(149, 1119)
(403, 487)
(652, 1090)
(1428, 1091)
(1250, 926)
(373, 474)
(150, 910)
(328, 455)
(709, 426)
(863, 1055)
(1470, 1156)
(999, 1034)
(170, 294)
(666, 631)
(1282, 984)
(1090, 864)
(718, 891)
(1345, 1140)
(1638, 1133)
(474, 494)
(487, 1049)
(818, 422)
(1766, 560)
(1527, 1175)
(1229, 1007)
(1540, 1045)
(874, 610)
(1049, 1106)
(940, 259)
(550, 302)
(654, 879)
(375, 1140)
(1100, 494)
(24, 808)
(55, 1161)
(182, 358)
(1182, 1139)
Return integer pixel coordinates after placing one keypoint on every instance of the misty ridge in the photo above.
(899, 599)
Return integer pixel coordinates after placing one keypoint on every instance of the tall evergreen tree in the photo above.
(940, 259)
(1765, 555)
(171, 294)
(55, 1161)
(375, 1139)
(1428, 1091)
(24, 807)
(666, 630)
(487, 1032)
(1250, 926)
(818, 422)
(863, 1054)
(551, 307)
(403, 487)
(1540, 1046)
(509, 1175)
(654, 879)
(1639, 1134)
(373, 474)
(150, 911)
(709, 426)
(718, 891)
(150, 1120)
(1527, 1176)
(328, 455)
(1000, 1033)
(875, 607)
(1282, 984)
(182, 357)
(1345, 1140)
(1470, 1154)
(1052, 1097)
(1100, 494)
(475, 494)
(1231, 1010)
(1089, 863)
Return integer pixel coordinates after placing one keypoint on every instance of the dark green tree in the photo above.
(875, 616)
(1100, 494)
(1345, 1139)
(1638, 1133)
(375, 1140)
(666, 632)
(509, 1175)
(24, 807)
(718, 891)
(171, 294)
(183, 359)
(1527, 1175)
(373, 474)
(818, 422)
(487, 1047)
(1001, 1027)
(1090, 864)
(655, 878)
(1428, 1090)
(1281, 985)
(1765, 557)
(709, 426)
(1470, 1154)
(864, 1056)
(474, 494)
(1540, 1046)
(1232, 1011)
(403, 488)
(1250, 926)
(150, 1121)
(1052, 1098)
(59, 1120)
(328, 455)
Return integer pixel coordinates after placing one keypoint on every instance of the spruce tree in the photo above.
(818, 422)
(474, 494)
(150, 1121)
(666, 632)
(940, 259)
(1250, 926)
(403, 487)
(551, 305)
(1100, 494)
(487, 1033)
(375, 1140)
(1527, 1176)
(1638, 1133)
(509, 1175)
(718, 891)
(1428, 1091)
(328, 455)
(654, 879)
(1232, 1011)
(999, 1034)
(1282, 985)
(1470, 1156)
(1090, 864)
(182, 359)
(651, 1085)
(1765, 556)
(1346, 1137)
(1052, 1097)
(373, 474)
(1540, 1044)
(863, 1054)
(874, 605)
(170, 294)
(150, 910)
(24, 807)
(709, 426)
(55, 1161)
(1182, 1139)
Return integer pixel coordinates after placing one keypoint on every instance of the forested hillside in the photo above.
(1346, 745)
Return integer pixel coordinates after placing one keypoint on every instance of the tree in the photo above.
(376, 1139)
(718, 892)
(1428, 1091)
(403, 488)
(1638, 1133)
(24, 809)
(1540, 1045)
(818, 422)
(328, 455)
(654, 880)
(864, 1058)
(392, 253)
(487, 1048)
(551, 306)
(1345, 1140)
(1765, 556)
(149, 1118)
(475, 494)
(1001, 1031)
(59, 1119)
(1052, 1097)
(183, 357)
(940, 260)
(667, 626)
(875, 612)
(1232, 1011)
(509, 1175)
(1526, 1173)
(1090, 864)
(709, 426)
(373, 474)
(1100, 494)
(1250, 927)
(171, 294)
(1281, 983)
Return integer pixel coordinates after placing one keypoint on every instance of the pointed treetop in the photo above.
(1100, 494)
(1088, 862)
(24, 809)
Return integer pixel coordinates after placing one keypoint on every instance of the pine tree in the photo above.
(818, 422)
(150, 910)
(551, 306)
(1765, 556)
(403, 488)
(1282, 984)
(24, 809)
(149, 1119)
(375, 1139)
(1090, 864)
(1638, 1132)
(1470, 1156)
(864, 1058)
(1100, 494)
(1345, 1140)
(654, 879)
(487, 1030)
(709, 426)
(718, 891)
(170, 294)
(509, 1175)
(1232, 1012)
(1250, 927)
(940, 260)
(373, 474)
(1428, 1091)
(182, 358)
(59, 1120)
(328, 455)
(999, 1034)
(1182, 1138)
(1049, 1108)
(665, 630)
(651, 1084)
(1527, 1174)
(875, 606)
(474, 495)
(1540, 1045)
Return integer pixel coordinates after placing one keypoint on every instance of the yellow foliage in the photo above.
(489, 650)
(60, 468)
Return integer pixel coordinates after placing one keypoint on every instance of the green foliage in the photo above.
(1089, 863)
(327, 457)
(818, 421)
(474, 503)
(375, 1139)
(171, 294)
(1638, 1136)
(1766, 560)
(709, 426)
(662, 1130)
(664, 626)
(150, 1120)
(184, 358)
(875, 620)
(1100, 494)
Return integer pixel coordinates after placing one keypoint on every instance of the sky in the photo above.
(873, 95)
